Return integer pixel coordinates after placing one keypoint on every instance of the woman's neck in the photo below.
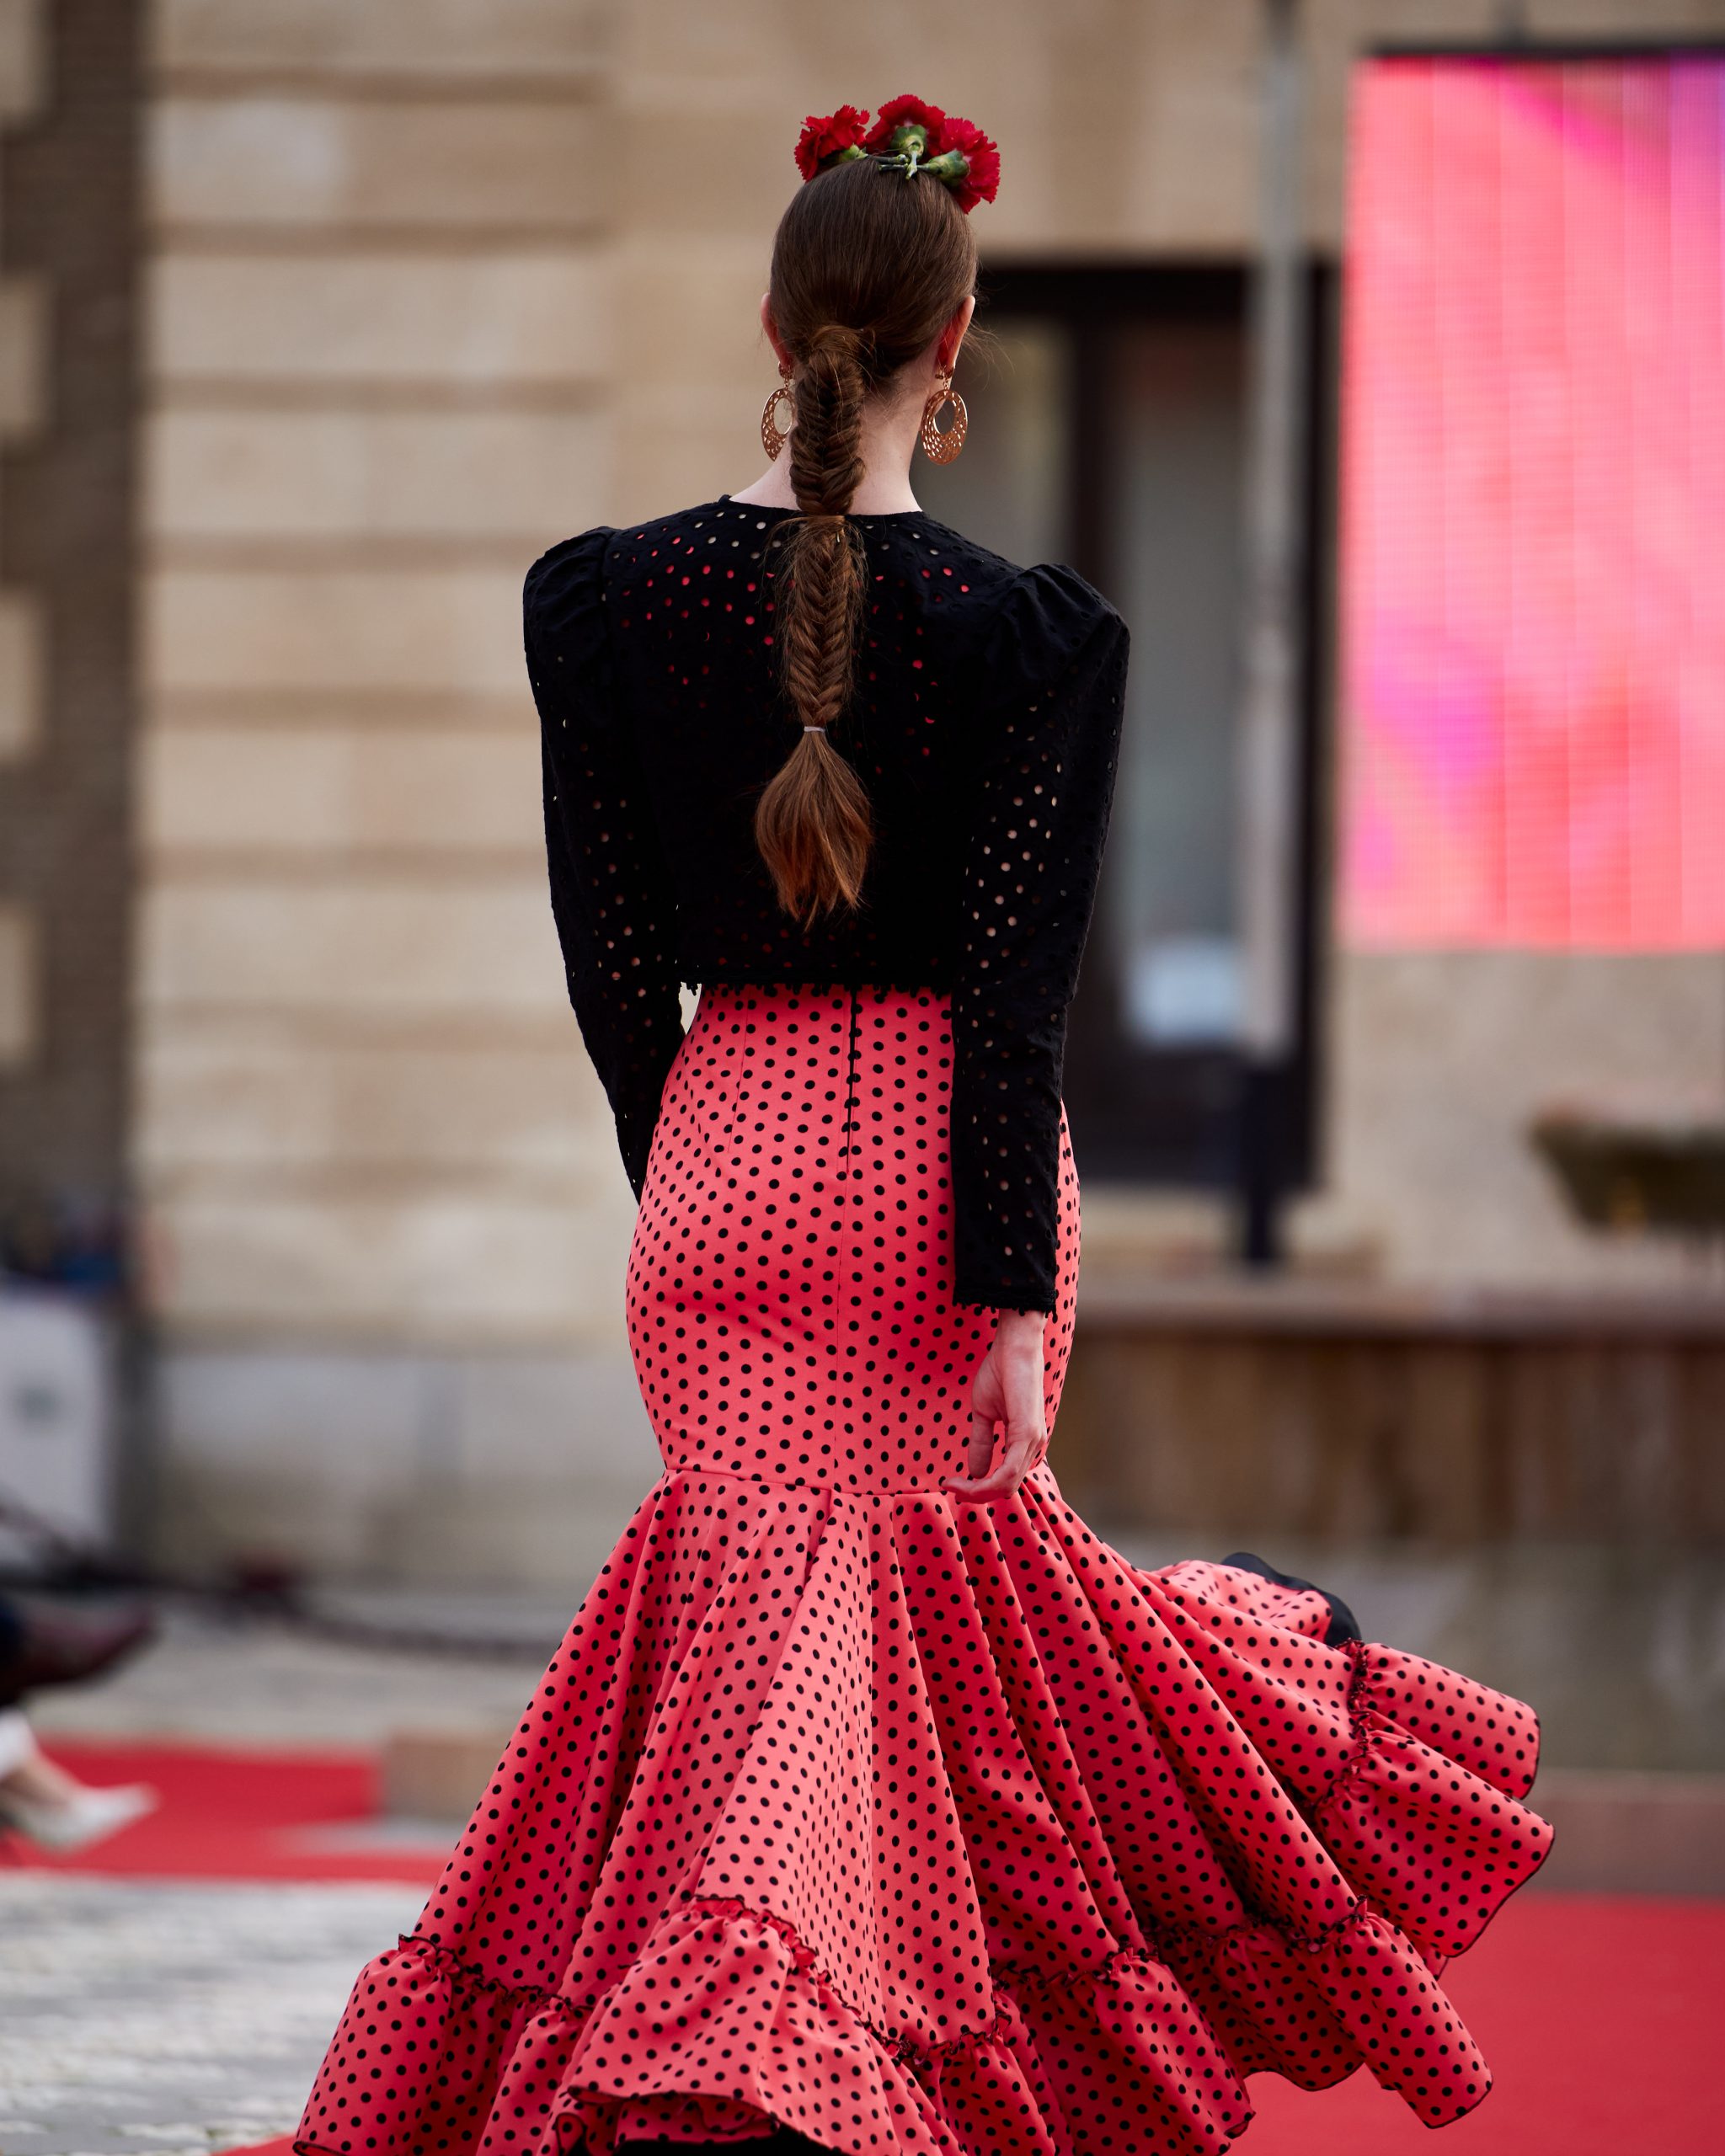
(889, 433)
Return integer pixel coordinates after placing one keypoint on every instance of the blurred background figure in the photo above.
(38, 1798)
(1367, 352)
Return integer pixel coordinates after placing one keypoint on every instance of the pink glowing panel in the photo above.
(1534, 505)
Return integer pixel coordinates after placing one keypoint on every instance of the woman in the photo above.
(871, 1798)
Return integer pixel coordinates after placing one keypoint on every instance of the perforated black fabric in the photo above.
(986, 726)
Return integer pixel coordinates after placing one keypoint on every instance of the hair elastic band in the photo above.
(815, 730)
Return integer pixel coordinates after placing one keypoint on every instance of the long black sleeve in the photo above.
(611, 891)
(1052, 694)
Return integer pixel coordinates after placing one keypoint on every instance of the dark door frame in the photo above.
(1173, 1116)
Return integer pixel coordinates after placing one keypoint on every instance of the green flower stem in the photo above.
(950, 167)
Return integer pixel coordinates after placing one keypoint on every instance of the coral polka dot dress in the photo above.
(849, 1809)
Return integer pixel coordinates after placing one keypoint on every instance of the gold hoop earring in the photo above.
(772, 435)
(941, 448)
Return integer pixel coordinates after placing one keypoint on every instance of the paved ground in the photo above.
(1622, 1650)
(231, 1681)
(158, 2019)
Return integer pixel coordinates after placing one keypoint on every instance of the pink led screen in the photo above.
(1533, 570)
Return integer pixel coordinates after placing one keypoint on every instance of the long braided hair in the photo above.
(868, 270)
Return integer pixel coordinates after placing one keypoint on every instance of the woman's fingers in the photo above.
(1007, 1390)
(981, 1447)
(1024, 1450)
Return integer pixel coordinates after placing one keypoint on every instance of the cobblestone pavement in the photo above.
(164, 2020)
(219, 1679)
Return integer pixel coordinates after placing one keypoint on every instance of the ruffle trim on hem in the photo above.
(725, 2025)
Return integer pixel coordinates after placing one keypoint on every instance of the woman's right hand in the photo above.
(1008, 1396)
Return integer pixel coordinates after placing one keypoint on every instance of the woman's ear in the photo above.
(953, 336)
(780, 352)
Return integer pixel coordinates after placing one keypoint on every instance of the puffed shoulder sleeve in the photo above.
(611, 891)
(1051, 676)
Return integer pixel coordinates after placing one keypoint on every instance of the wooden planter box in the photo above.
(1281, 1409)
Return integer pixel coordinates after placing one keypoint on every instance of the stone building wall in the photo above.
(381, 377)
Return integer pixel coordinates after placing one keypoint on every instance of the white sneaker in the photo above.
(90, 1815)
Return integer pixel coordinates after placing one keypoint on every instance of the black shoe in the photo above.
(53, 1648)
(1343, 1626)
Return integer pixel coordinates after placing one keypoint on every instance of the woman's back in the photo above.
(984, 724)
(673, 623)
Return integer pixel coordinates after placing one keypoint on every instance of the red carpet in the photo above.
(1600, 2014)
(238, 1815)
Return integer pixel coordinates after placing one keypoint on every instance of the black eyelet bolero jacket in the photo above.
(986, 726)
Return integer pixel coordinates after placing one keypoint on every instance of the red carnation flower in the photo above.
(898, 113)
(981, 181)
(821, 140)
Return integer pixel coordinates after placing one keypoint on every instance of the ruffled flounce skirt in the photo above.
(985, 1842)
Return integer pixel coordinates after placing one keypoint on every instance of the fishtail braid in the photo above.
(812, 823)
